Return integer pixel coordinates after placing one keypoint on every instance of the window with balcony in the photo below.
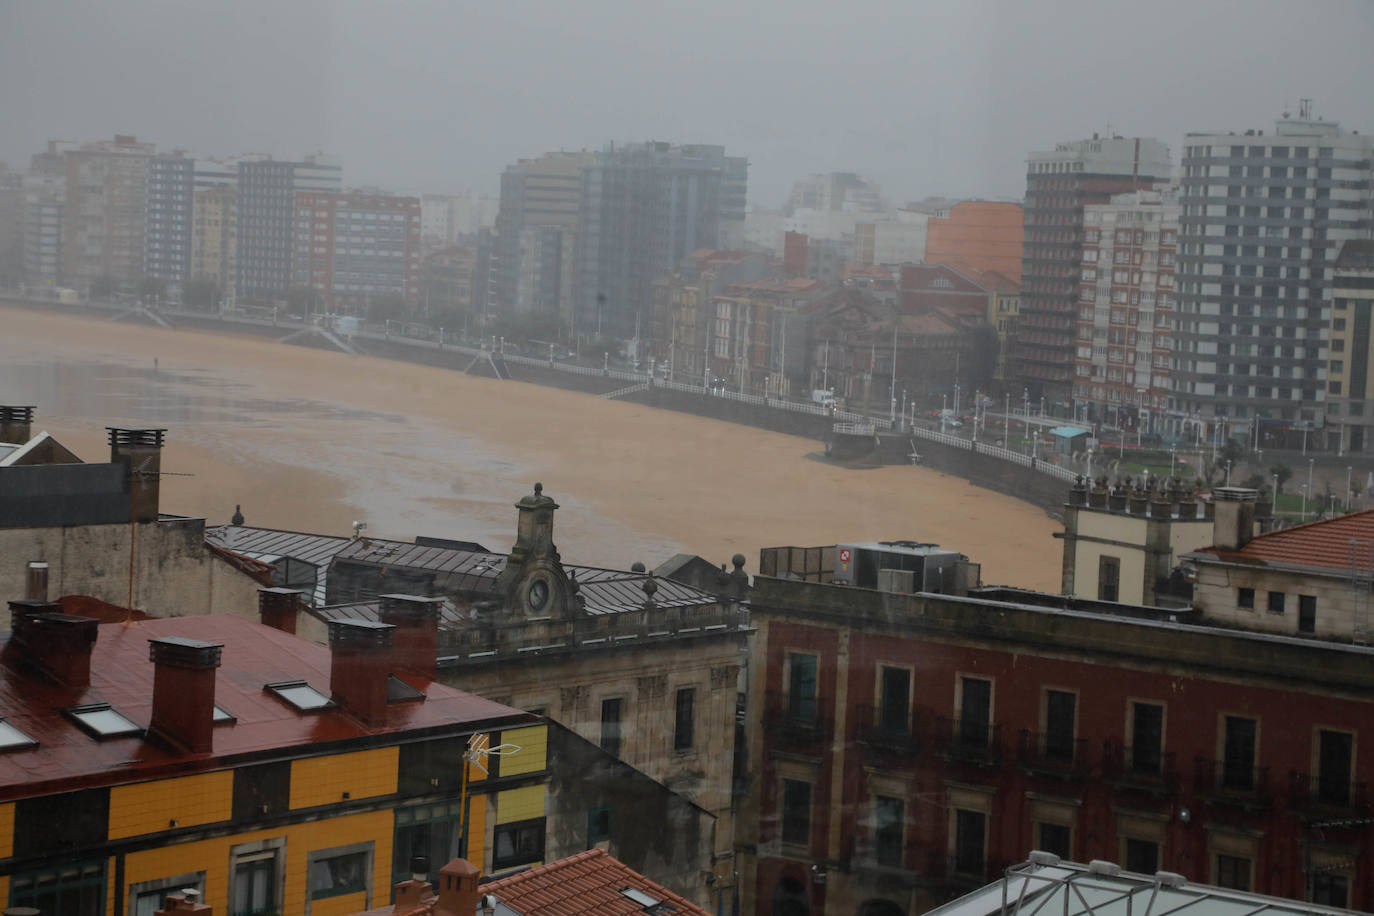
(1147, 737)
(1238, 752)
(72, 889)
(888, 831)
(975, 711)
(796, 812)
(970, 842)
(1060, 710)
(801, 688)
(1335, 751)
(894, 700)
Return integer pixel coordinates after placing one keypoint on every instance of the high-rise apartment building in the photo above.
(355, 248)
(103, 217)
(1059, 184)
(214, 241)
(1126, 310)
(1263, 218)
(1349, 381)
(542, 193)
(267, 196)
(45, 196)
(168, 217)
(644, 208)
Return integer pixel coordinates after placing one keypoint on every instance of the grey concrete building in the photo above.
(266, 202)
(1263, 218)
(168, 221)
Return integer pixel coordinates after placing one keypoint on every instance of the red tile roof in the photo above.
(254, 655)
(1324, 543)
(589, 882)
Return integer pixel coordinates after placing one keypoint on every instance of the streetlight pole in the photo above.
(1310, 462)
(1347, 488)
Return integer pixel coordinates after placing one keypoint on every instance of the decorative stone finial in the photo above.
(538, 488)
(237, 518)
(637, 567)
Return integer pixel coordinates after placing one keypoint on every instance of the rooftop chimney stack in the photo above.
(184, 692)
(16, 424)
(141, 451)
(415, 891)
(360, 661)
(57, 645)
(458, 891)
(37, 581)
(416, 620)
(278, 608)
(1233, 519)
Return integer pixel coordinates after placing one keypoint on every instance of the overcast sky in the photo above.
(924, 97)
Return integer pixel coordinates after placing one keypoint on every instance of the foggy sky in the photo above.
(924, 97)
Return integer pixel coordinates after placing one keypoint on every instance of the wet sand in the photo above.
(312, 440)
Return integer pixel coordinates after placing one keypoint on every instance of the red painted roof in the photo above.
(254, 655)
(1321, 543)
(589, 882)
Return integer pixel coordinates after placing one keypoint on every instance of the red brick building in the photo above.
(907, 747)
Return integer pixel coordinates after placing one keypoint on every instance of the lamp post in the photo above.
(1025, 409)
(1310, 462)
(1303, 487)
(1276, 495)
(1347, 488)
(1171, 462)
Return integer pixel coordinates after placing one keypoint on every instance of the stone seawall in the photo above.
(891, 448)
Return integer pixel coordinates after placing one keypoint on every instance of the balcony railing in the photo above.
(795, 725)
(1307, 791)
(1054, 755)
(1147, 772)
(887, 734)
(951, 739)
(1231, 780)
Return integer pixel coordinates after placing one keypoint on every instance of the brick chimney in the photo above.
(278, 607)
(184, 692)
(416, 621)
(416, 890)
(458, 893)
(57, 645)
(16, 424)
(1233, 519)
(141, 451)
(360, 660)
(186, 903)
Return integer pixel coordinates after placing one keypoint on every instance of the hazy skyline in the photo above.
(925, 98)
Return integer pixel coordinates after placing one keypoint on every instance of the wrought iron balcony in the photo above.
(1152, 772)
(1231, 781)
(1053, 755)
(1311, 792)
(952, 740)
(793, 724)
(886, 735)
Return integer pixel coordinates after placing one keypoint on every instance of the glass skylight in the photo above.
(222, 715)
(12, 738)
(102, 721)
(300, 695)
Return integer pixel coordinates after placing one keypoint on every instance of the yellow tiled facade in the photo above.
(326, 780)
(150, 807)
(162, 851)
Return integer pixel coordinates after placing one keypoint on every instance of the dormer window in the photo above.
(300, 695)
(12, 739)
(99, 720)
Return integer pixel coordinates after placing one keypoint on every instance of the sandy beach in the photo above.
(313, 440)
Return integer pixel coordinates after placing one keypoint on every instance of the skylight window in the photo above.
(101, 721)
(651, 905)
(222, 715)
(300, 695)
(12, 739)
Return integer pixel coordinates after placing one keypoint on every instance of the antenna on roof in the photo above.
(1305, 109)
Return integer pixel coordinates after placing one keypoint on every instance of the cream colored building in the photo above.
(1308, 580)
(214, 239)
(1119, 543)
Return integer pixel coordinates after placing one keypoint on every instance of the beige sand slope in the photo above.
(311, 440)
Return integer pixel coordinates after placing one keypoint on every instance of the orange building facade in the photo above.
(985, 235)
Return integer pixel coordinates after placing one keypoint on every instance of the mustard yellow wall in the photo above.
(324, 780)
(212, 857)
(477, 831)
(520, 804)
(150, 807)
(531, 758)
(6, 831)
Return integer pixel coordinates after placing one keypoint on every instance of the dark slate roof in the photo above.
(257, 543)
